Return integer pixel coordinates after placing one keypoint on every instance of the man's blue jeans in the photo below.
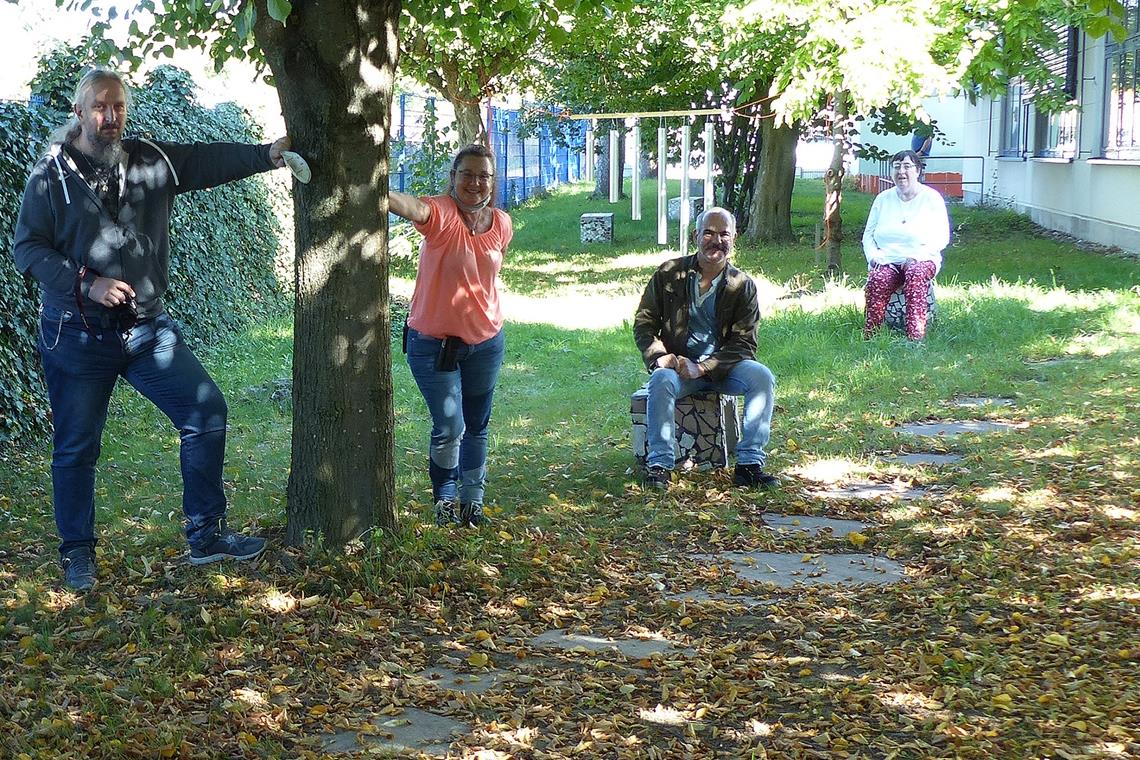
(81, 369)
(750, 379)
(459, 402)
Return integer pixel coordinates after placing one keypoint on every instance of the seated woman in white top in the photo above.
(906, 231)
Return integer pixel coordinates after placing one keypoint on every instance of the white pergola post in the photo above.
(662, 187)
(635, 212)
(615, 180)
(710, 193)
(590, 151)
(684, 211)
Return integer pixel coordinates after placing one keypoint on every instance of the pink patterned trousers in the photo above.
(883, 280)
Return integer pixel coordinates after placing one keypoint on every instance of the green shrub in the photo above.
(223, 241)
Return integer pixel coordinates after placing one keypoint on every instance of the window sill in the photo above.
(1113, 161)
(1051, 160)
(1018, 159)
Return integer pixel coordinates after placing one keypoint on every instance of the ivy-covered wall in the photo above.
(223, 241)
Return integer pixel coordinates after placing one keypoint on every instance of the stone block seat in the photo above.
(707, 425)
(896, 309)
(597, 228)
(696, 206)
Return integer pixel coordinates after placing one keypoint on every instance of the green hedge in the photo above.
(223, 241)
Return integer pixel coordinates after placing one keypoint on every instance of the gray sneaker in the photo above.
(658, 477)
(79, 568)
(225, 544)
(445, 513)
(471, 515)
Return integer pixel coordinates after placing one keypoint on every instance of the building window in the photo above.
(1056, 135)
(1122, 123)
(1012, 119)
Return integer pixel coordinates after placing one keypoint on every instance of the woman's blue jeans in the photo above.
(459, 402)
(81, 368)
(750, 379)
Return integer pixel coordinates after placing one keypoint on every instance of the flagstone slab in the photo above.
(633, 648)
(783, 569)
(920, 459)
(950, 429)
(869, 490)
(812, 525)
(413, 730)
(973, 401)
(468, 683)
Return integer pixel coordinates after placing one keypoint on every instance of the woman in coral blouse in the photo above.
(454, 336)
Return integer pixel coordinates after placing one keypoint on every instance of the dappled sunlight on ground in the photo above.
(830, 470)
(1117, 593)
(598, 309)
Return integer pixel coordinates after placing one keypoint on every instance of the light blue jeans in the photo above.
(750, 379)
(459, 402)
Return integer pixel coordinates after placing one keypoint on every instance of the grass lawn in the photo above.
(1013, 633)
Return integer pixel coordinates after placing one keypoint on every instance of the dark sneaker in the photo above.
(226, 544)
(753, 476)
(471, 515)
(445, 513)
(79, 568)
(658, 477)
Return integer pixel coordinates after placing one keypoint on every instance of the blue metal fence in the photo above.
(530, 157)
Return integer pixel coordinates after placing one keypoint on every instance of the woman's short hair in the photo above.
(908, 153)
(478, 150)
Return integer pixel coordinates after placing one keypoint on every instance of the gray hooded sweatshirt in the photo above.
(63, 226)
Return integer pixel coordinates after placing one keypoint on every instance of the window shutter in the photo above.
(1062, 60)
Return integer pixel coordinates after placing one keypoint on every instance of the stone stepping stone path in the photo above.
(786, 570)
(442, 677)
(936, 460)
(976, 401)
(813, 525)
(413, 730)
(866, 489)
(635, 649)
(949, 429)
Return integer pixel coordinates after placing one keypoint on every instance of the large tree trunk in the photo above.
(833, 186)
(342, 479)
(770, 220)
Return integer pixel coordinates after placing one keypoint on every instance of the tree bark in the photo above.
(469, 122)
(833, 186)
(737, 156)
(602, 167)
(342, 477)
(770, 220)
(468, 110)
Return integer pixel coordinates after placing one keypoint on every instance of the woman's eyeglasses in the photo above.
(473, 177)
(905, 165)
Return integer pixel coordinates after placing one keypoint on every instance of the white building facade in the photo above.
(1078, 171)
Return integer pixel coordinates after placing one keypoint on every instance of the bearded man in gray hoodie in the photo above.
(94, 231)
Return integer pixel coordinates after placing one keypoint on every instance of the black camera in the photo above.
(448, 358)
(127, 314)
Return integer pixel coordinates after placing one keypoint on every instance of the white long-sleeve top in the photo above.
(898, 230)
